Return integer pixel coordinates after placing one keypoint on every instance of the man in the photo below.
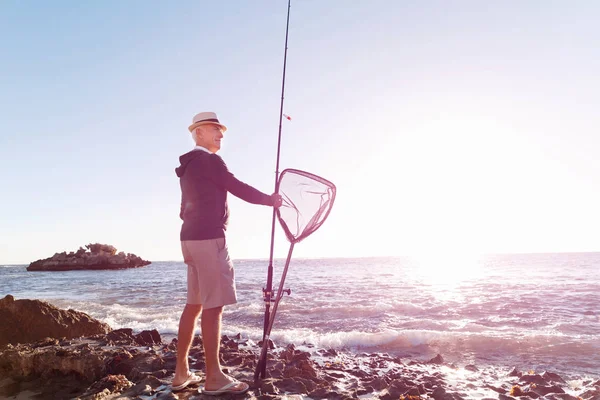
(205, 181)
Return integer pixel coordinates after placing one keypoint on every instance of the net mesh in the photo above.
(307, 201)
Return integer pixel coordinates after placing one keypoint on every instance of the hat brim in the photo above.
(197, 124)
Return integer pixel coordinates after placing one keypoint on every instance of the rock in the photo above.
(268, 386)
(110, 383)
(97, 256)
(26, 321)
(377, 383)
(514, 372)
(535, 378)
(496, 389)
(291, 385)
(471, 368)
(552, 377)
(148, 338)
(167, 396)
(436, 360)
(564, 396)
(544, 390)
(323, 392)
(505, 397)
(516, 391)
(590, 394)
(23, 361)
(438, 393)
(270, 344)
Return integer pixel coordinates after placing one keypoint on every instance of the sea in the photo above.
(531, 311)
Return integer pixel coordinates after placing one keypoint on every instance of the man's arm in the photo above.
(225, 179)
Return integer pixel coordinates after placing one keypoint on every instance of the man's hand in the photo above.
(277, 200)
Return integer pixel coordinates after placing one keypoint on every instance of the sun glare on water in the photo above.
(446, 268)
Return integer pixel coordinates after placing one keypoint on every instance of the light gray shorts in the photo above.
(210, 275)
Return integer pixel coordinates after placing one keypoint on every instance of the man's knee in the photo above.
(194, 309)
(214, 312)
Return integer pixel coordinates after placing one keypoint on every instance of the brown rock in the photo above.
(98, 256)
(544, 390)
(438, 393)
(292, 385)
(26, 321)
(112, 383)
(268, 386)
(564, 396)
(398, 387)
(377, 383)
(436, 360)
(515, 372)
(23, 361)
(292, 371)
(552, 377)
(535, 378)
(496, 389)
(148, 338)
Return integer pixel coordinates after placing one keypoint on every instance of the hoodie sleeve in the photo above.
(239, 189)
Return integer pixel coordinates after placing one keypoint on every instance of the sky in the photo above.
(447, 126)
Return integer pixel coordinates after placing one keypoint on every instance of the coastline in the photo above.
(118, 365)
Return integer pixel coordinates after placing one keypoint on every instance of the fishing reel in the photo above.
(268, 295)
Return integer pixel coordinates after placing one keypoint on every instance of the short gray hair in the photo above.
(194, 134)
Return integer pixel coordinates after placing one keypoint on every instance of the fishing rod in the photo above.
(307, 200)
(268, 291)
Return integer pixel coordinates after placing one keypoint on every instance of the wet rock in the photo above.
(535, 378)
(377, 383)
(590, 393)
(270, 343)
(505, 397)
(515, 372)
(552, 377)
(438, 393)
(436, 360)
(121, 336)
(562, 396)
(544, 390)
(148, 338)
(26, 321)
(330, 353)
(471, 368)
(496, 389)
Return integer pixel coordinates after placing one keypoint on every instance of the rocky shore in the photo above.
(93, 256)
(127, 365)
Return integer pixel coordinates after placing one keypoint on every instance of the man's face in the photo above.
(211, 136)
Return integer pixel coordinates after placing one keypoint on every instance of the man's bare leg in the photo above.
(187, 325)
(211, 338)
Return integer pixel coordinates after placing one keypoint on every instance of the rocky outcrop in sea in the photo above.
(93, 256)
(125, 365)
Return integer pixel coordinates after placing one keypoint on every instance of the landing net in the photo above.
(307, 201)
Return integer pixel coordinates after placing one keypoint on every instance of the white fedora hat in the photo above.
(205, 118)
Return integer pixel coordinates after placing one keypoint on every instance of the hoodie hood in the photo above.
(186, 159)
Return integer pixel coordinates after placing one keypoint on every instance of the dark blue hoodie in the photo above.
(205, 181)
